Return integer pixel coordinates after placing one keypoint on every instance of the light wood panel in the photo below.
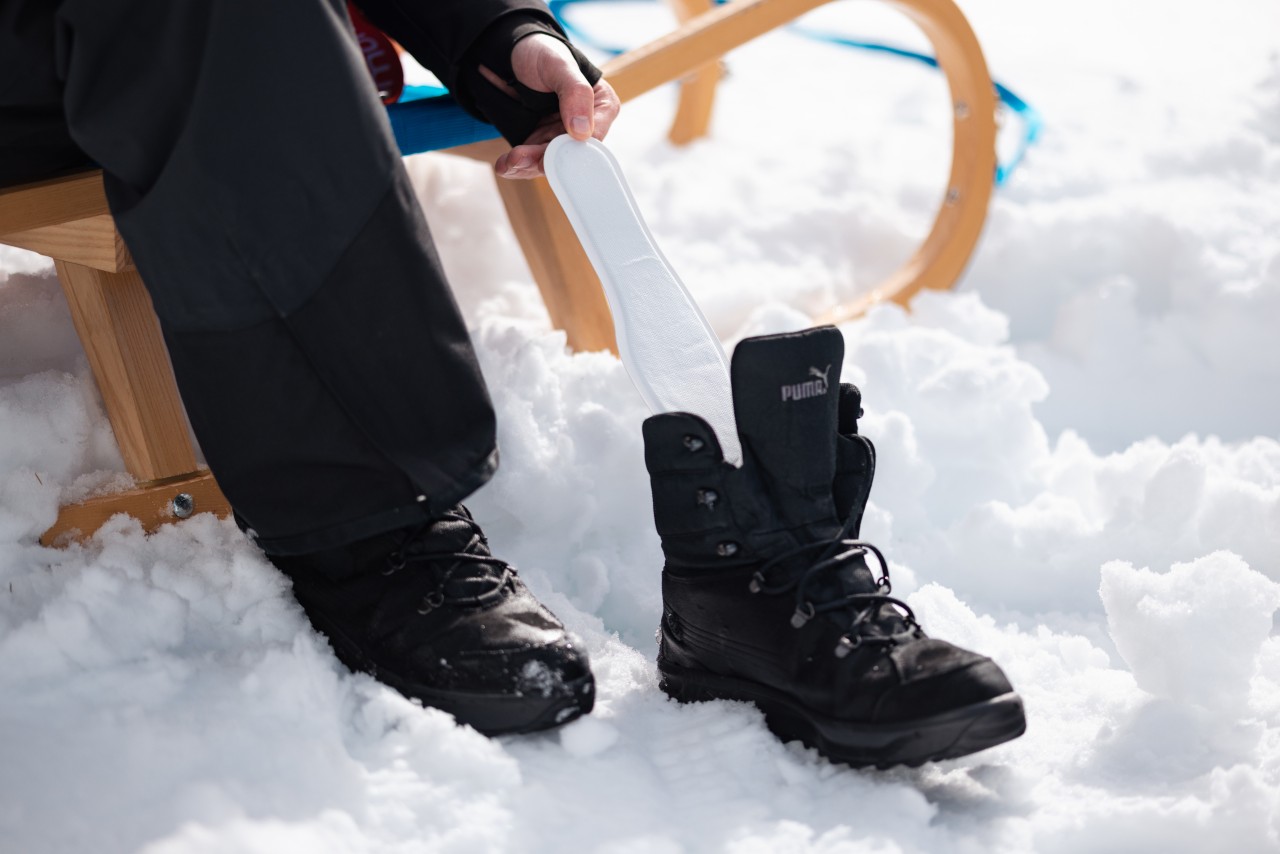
(569, 284)
(92, 242)
(152, 505)
(52, 202)
(121, 336)
(698, 88)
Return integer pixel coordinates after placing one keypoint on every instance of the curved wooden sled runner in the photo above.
(691, 54)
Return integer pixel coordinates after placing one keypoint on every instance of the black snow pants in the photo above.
(248, 162)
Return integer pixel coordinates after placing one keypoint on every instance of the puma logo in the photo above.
(811, 388)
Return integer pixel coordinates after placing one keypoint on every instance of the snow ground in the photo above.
(1079, 475)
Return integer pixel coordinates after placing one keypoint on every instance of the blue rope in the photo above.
(1031, 120)
(576, 34)
(428, 119)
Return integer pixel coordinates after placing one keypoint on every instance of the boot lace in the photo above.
(843, 549)
(466, 567)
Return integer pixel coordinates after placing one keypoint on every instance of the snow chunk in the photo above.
(1192, 634)
(588, 737)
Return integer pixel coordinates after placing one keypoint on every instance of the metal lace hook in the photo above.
(804, 613)
(431, 601)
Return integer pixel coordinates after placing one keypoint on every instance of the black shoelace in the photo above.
(465, 566)
(864, 606)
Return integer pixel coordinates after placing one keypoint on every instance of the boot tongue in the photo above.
(455, 534)
(788, 402)
(450, 535)
(857, 577)
(785, 392)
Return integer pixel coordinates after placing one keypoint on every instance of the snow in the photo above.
(1212, 633)
(1079, 475)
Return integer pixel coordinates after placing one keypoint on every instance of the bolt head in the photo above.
(183, 505)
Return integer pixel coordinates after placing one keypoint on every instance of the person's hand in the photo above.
(545, 64)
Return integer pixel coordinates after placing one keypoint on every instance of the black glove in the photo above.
(514, 119)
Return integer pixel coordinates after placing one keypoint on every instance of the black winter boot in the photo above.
(429, 611)
(767, 595)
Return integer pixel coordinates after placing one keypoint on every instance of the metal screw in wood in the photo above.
(183, 505)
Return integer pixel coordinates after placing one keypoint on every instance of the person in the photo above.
(323, 363)
(330, 381)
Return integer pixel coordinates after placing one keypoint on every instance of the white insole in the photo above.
(667, 346)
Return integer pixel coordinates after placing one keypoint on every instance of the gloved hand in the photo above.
(545, 64)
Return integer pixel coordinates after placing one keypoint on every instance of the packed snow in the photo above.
(1079, 475)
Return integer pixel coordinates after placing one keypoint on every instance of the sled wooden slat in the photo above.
(576, 301)
(151, 504)
(697, 88)
(121, 336)
(91, 242)
(568, 283)
(52, 202)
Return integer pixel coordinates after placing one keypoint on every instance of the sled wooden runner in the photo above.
(691, 55)
(67, 219)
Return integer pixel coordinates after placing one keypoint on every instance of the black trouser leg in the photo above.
(325, 367)
(364, 398)
(34, 140)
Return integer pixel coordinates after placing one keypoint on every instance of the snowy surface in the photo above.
(1079, 476)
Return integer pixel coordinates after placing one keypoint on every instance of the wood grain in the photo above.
(569, 284)
(91, 242)
(52, 202)
(121, 336)
(697, 88)
(152, 505)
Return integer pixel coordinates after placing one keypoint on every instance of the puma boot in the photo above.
(430, 612)
(770, 597)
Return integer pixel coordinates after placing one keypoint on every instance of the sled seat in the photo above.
(67, 219)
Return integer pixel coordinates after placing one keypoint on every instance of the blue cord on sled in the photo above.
(427, 119)
(1031, 120)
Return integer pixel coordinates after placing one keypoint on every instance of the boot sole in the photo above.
(958, 732)
(488, 714)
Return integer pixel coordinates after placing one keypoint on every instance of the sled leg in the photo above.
(121, 336)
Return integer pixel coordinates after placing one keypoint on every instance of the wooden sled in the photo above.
(67, 219)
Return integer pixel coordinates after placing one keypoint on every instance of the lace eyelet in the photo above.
(395, 563)
(757, 582)
(708, 498)
(727, 549)
(431, 601)
(847, 645)
(693, 444)
(804, 613)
